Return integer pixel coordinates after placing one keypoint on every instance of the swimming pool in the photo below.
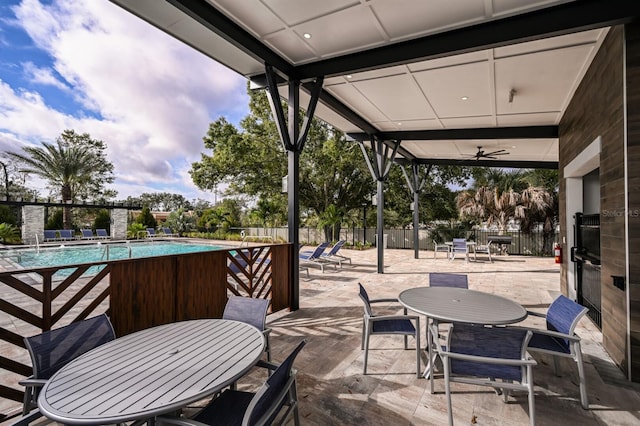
(71, 255)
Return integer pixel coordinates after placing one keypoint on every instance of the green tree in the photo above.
(160, 201)
(55, 220)
(102, 220)
(75, 167)
(146, 218)
(330, 221)
(180, 221)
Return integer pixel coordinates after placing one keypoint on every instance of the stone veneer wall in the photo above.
(32, 224)
(598, 109)
(632, 38)
(119, 224)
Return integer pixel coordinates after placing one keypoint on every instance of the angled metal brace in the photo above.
(311, 109)
(276, 108)
(416, 182)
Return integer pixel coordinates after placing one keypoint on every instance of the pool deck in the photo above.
(333, 391)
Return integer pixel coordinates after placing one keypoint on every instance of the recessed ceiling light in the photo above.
(349, 76)
(513, 147)
(306, 35)
(465, 98)
(399, 124)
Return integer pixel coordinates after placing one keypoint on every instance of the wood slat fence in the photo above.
(135, 293)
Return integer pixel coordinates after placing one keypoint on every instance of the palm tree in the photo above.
(70, 165)
(490, 205)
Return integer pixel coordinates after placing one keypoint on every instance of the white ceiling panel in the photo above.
(341, 31)
(542, 80)
(254, 15)
(465, 58)
(348, 94)
(397, 97)
(296, 12)
(382, 72)
(447, 89)
(425, 16)
(468, 122)
(289, 45)
(510, 7)
(392, 126)
(585, 37)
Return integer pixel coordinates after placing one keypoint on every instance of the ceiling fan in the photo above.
(490, 155)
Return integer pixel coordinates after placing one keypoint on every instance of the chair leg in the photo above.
(447, 389)
(366, 350)
(418, 347)
(532, 408)
(583, 384)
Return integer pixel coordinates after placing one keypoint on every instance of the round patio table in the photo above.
(450, 304)
(151, 372)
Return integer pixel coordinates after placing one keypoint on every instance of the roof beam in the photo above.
(204, 13)
(484, 163)
(522, 132)
(566, 18)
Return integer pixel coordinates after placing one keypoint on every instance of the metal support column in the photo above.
(416, 183)
(293, 137)
(379, 167)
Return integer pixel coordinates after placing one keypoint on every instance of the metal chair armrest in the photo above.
(487, 360)
(573, 338)
(536, 314)
(383, 300)
(394, 317)
(30, 381)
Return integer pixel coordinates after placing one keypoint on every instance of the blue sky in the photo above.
(95, 68)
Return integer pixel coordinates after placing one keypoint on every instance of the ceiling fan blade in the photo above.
(498, 152)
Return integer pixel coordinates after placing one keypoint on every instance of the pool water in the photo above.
(71, 255)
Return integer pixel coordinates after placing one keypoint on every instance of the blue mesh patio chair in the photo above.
(65, 234)
(315, 256)
(168, 232)
(479, 355)
(151, 233)
(250, 311)
(459, 247)
(87, 234)
(51, 235)
(560, 339)
(387, 324)
(334, 256)
(263, 407)
(102, 234)
(52, 350)
(441, 279)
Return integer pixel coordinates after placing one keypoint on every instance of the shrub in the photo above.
(102, 220)
(55, 220)
(9, 234)
(135, 229)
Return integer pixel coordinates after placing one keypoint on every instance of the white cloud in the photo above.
(154, 96)
(43, 76)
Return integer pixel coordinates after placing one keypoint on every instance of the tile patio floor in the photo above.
(333, 391)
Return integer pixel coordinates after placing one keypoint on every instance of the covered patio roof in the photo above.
(447, 79)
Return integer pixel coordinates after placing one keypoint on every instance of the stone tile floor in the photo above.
(333, 391)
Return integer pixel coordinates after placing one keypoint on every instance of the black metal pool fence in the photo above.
(532, 244)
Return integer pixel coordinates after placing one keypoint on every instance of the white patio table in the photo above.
(460, 305)
(151, 372)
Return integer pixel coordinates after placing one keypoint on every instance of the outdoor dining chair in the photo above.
(263, 407)
(479, 355)
(250, 311)
(440, 248)
(387, 324)
(52, 350)
(459, 246)
(443, 279)
(560, 339)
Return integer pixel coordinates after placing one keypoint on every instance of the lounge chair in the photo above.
(167, 232)
(66, 234)
(87, 234)
(151, 233)
(102, 234)
(315, 256)
(50, 235)
(333, 256)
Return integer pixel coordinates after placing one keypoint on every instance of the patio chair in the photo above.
(479, 355)
(482, 249)
(440, 279)
(51, 235)
(151, 233)
(52, 350)
(87, 234)
(459, 247)
(333, 256)
(102, 234)
(560, 339)
(441, 248)
(235, 407)
(315, 256)
(66, 234)
(387, 324)
(250, 311)
(168, 232)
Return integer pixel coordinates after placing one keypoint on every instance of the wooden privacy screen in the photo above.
(136, 293)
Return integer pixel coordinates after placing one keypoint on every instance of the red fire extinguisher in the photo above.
(557, 253)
